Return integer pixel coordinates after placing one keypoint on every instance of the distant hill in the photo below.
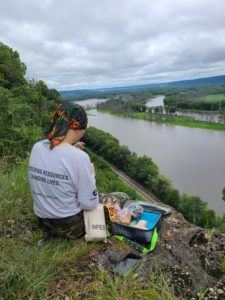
(192, 82)
(198, 81)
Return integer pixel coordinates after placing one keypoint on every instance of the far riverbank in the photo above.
(168, 120)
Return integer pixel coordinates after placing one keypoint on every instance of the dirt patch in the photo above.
(21, 228)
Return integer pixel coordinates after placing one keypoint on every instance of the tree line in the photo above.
(192, 101)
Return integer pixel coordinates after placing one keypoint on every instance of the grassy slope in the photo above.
(174, 120)
(51, 271)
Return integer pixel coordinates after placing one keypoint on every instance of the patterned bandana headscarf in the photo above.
(68, 115)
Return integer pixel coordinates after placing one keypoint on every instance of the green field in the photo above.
(211, 98)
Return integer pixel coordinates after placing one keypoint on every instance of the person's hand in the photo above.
(80, 145)
(93, 169)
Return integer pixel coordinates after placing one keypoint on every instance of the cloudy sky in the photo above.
(75, 44)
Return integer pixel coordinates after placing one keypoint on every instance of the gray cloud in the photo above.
(93, 43)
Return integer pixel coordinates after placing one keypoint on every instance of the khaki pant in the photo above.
(71, 227)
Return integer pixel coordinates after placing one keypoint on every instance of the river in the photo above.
(194, 159)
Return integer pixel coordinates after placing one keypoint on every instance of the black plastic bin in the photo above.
(139, 234)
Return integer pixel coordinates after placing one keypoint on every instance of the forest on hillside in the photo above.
(24, 106)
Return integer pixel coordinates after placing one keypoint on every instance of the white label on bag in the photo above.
(95, 232)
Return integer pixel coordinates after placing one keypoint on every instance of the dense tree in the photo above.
(162, 188)
(142, 169)
(12, 70)
(24, 106)
(194, 100)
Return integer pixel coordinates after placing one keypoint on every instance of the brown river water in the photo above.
(194, 159)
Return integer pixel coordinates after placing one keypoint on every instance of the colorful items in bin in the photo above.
(135, 209)
(121, 215)
(124, 216)
(116, 214)
(115, 197)
(112, 211)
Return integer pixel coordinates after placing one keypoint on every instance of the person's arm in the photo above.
(87, 192)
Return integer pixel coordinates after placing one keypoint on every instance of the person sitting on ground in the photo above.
(61, 176)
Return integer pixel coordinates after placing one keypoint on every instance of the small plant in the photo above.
(223, 194)
(223, 263)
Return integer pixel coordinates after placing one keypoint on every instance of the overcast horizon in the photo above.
(98, 44)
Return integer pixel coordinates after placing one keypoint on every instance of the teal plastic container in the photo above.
(139, 234)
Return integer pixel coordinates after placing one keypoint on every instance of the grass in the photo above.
(211, 98)
(223, 264)
(27, 268)
(188, 122)
(58, 269)
(170, 120)
(206, 112)
(129, 287)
